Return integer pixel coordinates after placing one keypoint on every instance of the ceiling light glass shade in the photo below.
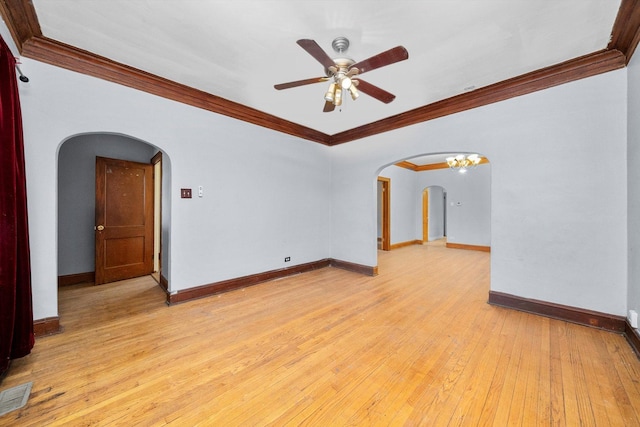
(331, 93)
(345, 83)
(462, 163)
(474, 159)
(354, 92)
(338, 97)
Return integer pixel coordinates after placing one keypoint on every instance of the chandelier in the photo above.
(462, 162)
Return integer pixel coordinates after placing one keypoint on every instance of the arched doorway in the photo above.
(76, 200)
(455, 205)
(434, 213)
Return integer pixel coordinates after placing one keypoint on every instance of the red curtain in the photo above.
(16, 313)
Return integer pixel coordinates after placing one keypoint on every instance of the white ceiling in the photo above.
(239, 49)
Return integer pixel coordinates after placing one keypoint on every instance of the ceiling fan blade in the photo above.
(375, 91)
(316, 51)
(300, 83)
(328, 107)
(388, 57)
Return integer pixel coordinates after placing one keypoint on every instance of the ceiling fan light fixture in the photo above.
(344, 73)
(331, 93)
(354, 92)
(338, 97)
(345, 83)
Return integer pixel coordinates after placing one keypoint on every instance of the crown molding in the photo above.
(22, 21)
(65, 56)
(421, 168)
(568, 71)
(626, 29)
(407, 165)
(431, 166)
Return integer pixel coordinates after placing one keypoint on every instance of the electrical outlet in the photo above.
(287, 259)
(185, 193)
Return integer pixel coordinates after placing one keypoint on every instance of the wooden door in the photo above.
(156, 162)
(425, 215)
(386, 212)
(124, 219)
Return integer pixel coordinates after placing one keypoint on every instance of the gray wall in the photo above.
(76, 193)
(633, 179)
(266, 194)
(558, 189)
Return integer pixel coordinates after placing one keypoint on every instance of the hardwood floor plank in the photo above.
(510, 366)
(533, 364)
(416, 345)
(581, 386)
(544, 398)
(443, 384)
(625, 375)
(614, 397)
(476, 379)
(556, 391)
(504, 352)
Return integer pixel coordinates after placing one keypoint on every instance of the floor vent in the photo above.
(14, 398)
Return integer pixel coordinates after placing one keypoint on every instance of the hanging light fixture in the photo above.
(330, 96)
(341, 83)
(354, 92)
(462, 162)
(343, 73)
(345, 82)
(337, 101)
(340, 76)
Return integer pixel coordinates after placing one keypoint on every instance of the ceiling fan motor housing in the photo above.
(342, 63)
(340, 44)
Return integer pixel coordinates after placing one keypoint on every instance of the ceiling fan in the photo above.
(344, 73)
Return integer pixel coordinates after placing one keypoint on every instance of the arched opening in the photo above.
(77, 202)
(432, 201)
(434, 213)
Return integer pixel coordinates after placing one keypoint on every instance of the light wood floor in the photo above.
(416, 345)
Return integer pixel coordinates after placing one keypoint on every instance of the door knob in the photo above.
(100, 227)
